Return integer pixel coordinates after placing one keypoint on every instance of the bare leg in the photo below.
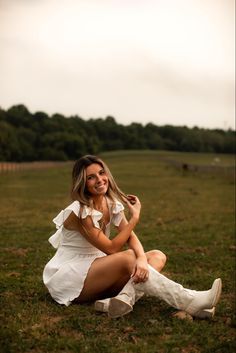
(107, 274)
(156, 259)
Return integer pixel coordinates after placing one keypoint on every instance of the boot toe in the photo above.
(118, 308)
(205, 314)
(101, 305)
(217, 289)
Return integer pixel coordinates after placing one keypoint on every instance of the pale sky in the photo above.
(161, 61)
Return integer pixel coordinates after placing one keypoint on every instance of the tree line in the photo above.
(30, 137)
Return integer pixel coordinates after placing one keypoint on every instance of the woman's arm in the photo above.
(133, 241)
(140, 272)
(110, 246)
(97, 238)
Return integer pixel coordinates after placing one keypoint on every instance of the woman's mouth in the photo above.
(100, 187)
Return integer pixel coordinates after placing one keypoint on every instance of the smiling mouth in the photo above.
(100, 186)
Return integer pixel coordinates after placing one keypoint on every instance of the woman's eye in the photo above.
(89, 178)
(102, 172)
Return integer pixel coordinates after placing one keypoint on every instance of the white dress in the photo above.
(65, 273)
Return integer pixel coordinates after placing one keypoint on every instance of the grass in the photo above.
(217, 159)
(188, 216)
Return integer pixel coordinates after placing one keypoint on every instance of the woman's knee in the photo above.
(127, 259)
(156, 256)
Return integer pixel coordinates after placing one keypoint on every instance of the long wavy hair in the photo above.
(79, 191)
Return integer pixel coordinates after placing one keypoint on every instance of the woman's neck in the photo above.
(98, 201)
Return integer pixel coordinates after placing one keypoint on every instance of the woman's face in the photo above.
(96, 180)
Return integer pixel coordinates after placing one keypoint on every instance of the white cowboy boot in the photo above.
(205, 313)
(102, 305)
(173, 293)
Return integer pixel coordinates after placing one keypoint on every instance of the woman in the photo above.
(89, 266)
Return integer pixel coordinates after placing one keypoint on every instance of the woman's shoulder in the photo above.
(64, 213)
(75, 206)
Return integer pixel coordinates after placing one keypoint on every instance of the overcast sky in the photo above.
(161, 61)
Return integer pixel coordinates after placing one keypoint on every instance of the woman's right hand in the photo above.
(134, 206)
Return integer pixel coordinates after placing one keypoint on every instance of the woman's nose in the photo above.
(99, 178)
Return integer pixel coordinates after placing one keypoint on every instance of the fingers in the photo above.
(141, 276)
(132, 199)
(139, 280)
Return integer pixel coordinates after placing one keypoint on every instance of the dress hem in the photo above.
(69, 300)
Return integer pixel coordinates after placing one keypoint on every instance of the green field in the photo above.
(216, 159)
(189, 216)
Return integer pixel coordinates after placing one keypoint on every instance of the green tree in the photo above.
(9, 147)
(25, 136)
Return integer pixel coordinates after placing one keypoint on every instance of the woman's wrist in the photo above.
(134, 220)
(135, 215)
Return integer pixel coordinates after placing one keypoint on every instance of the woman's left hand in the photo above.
(140, 272)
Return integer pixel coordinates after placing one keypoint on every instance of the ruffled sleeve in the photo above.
(55, 239)
(117, 213)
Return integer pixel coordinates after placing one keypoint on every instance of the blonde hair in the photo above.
(79, 191)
